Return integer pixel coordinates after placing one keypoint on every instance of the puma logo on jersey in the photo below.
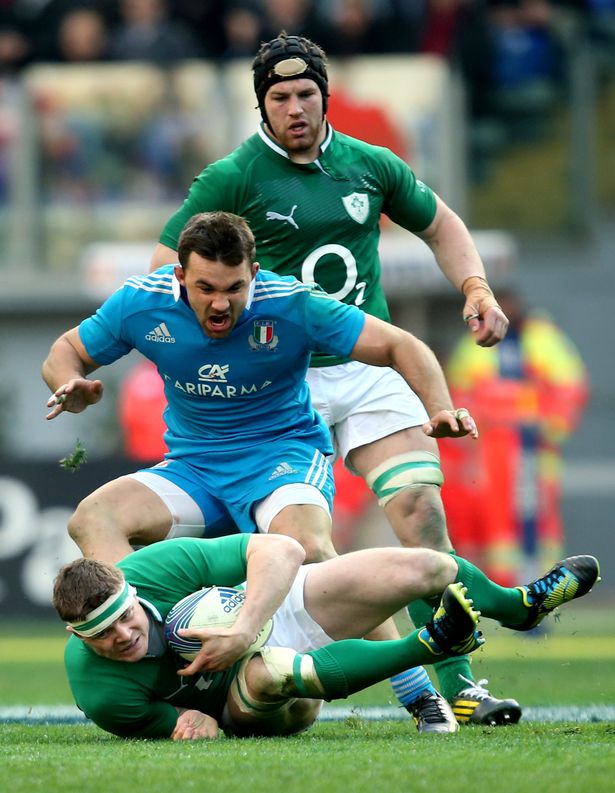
(287, 218)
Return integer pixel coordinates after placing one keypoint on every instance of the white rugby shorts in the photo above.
(292, 625)
(362, 404)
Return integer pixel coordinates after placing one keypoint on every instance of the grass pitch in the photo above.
(351, 756)
(572, 665)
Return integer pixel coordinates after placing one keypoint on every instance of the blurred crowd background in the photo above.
(514, 56)
(108, 108)
(168, 30)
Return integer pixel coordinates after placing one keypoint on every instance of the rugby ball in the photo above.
(212, 607)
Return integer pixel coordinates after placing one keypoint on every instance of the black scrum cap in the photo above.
(289, 58)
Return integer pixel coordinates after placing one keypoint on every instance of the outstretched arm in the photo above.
(382, 344)
(65, 371)
(459, 260)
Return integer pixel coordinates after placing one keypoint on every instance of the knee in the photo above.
(269, 680)
(417, 515)
(81, 521)
(436, 570)
(310, 526)
(259, 683)
(93, 519)
(318, 549)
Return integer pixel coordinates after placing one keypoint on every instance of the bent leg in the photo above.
(119, 513)
(255, 705)
(145, 507)
(412, 501)
(371, 585)
(301, 512)
(349, 665)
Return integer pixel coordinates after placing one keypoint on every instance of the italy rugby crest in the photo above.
(263, 337)
(357, 206)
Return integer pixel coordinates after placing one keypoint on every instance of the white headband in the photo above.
(105, 614)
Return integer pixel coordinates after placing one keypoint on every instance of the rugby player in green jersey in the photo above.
(126, 678)
(314, 198)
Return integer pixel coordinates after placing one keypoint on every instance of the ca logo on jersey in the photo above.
(213, 372)
(263, 337)
(357, 206)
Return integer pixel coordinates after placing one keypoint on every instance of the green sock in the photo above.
(351, 665)
(449, 670)
(420, 612)
(492, 600)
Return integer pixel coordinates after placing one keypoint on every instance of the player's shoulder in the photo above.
(157, 287)
(239, 161)
(285, 297)
(341, 142)
(270, 286)
(78, 658)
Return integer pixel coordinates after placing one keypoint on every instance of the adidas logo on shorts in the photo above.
(282, 469)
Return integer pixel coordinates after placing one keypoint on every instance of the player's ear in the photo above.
(178, 270)
(255, 268)
(69, 629)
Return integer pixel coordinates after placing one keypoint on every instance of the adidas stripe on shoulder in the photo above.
(267, 290)
(154, 282)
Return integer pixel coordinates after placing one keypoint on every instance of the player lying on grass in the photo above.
(129, 682)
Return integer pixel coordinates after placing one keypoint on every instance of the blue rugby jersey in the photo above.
(246, 388)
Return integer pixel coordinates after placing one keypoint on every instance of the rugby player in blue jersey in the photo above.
(232, 344)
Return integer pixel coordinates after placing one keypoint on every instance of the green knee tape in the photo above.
(402, 471)
(297, 679)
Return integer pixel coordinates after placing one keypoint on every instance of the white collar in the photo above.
(251, 293)
(269, 141)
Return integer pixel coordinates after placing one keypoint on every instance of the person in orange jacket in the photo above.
(141, 403)
(502, 495)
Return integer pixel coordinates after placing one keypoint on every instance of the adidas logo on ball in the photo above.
(211, 607)
(235, 601)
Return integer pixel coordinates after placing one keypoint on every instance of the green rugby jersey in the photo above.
(138, 699)
(318, 221)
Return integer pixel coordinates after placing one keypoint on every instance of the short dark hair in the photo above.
(294, 50)
(82, 585)
(219, 236)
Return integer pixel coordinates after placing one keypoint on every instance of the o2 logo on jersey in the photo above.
(308, 272)
(263, 336)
